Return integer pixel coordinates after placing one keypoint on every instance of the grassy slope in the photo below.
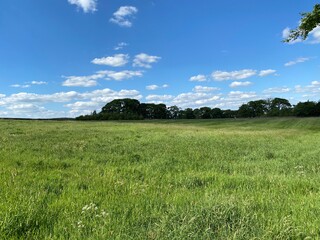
(225, 179)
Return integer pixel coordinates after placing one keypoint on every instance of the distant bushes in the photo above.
(132, 109)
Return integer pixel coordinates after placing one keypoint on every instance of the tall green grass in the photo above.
(217, 179)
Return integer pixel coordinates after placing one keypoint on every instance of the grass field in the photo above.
(217, 179)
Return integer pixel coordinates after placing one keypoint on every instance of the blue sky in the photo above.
(64, 58)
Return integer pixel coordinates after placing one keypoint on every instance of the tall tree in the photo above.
(217, 113)
(245, 111)
(205, 113)
(173, 112)
(121, 109)
(279, 107)
(306, 109)
(308, 22)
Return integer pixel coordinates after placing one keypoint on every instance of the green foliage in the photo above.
(307, 109)
(280, 107)
(196, 179)
(173, 112)
(308, 22)
(131, 109)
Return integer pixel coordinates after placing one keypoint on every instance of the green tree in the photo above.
(187, 114)
(147, 110)
(229, 113)
(217, 113)
(160, 111)
(279, 107)
(173, 112)
(205, 112)
(256, 108)
(245, 111)
(306, 109)
(309, 21)
(122, 109)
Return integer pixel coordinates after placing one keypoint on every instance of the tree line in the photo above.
(132, 109)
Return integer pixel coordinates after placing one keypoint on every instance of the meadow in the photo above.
(187, 179)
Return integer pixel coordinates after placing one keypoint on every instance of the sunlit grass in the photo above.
(217, 179)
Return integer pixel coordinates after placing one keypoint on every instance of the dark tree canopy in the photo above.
(309, 21)
(132, 109)
(279, 107)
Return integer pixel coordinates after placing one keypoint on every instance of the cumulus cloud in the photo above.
(117, 60)
(204, 89)
(86, 5)
(83, 81)
(314, 87)
(92, 80)
(267, 72)
(198, 78)
(144, 60)
(195, 99)
(298, 60)
(120, 46)
(158, 98)
(123, 16)
(238, 95)
(155, 87)
(239, 84)
(28, 84)
(122, 75)
(315, 36)
(236, 75)
(80, 105)
(34, 105)
(277, 90)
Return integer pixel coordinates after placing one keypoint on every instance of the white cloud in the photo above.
(120, 46)
(84, 81)
(204, 89)
(118, 60)
(277, 90)
(144, 60)
(195, 99)
(314, 87)
(86, 5)
(198, 78)
(238, 95)
(83, 105)
(239, 84)
(286, 33)
(28, 84)
(155, 87)
(91, 80)
(315, 35)
(267, 72)
(38, 83)
(34, 105)
(152, 87)
(123, 16)
(20, 86)
(24, 97)
(119, 76)
(298, 60)
(158, 98)
(237, 75)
